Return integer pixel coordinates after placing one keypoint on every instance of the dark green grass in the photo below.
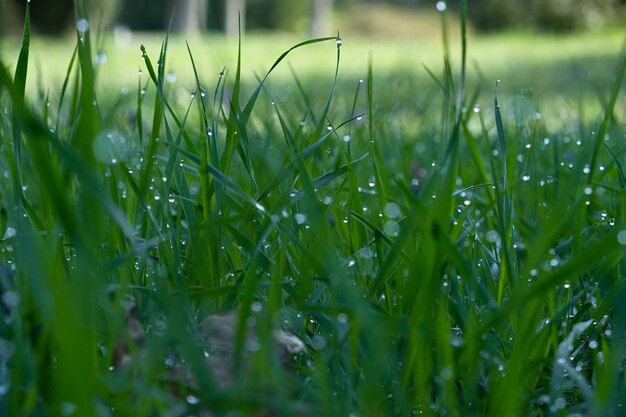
(444, 259)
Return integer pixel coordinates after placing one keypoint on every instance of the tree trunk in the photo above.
(190, 15)
(321, 18)
(234, 10)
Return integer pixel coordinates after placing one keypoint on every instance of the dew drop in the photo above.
(11, 299)
(259, 207)
(9, 233)
(82, 25)
(318, 342)
(252, 345)
(366, 253)
(392, 210)
(67, 408)
(391, 228)
(101, 58)
(192, 400)
(441, 6)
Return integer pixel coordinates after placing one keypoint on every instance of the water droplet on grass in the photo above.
(339, 42)
(392, 210)
(101, 58)
(446, 373)
(9, 233)
(192, 400)
(526, 177)
(11, 299)
(82, 25)
(621, 237)
(391, 228)
(259, 207)
(252, 345)
(441, 6)
(366, 253)
(67, 408)
(318, 342)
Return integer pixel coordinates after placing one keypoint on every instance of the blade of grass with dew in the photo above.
(21, 71)
(506, 216)
(209, 148)
(619, 75)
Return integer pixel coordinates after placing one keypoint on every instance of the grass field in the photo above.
(353, 234)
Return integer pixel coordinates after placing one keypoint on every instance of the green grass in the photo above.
(438, 254)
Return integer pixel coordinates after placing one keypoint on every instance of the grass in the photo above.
(436, 253)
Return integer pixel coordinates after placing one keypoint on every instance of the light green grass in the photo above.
(438, 254)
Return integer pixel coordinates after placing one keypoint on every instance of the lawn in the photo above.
(370, 229)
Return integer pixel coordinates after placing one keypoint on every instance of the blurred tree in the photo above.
(53, 17)
(189, 16)
(145, 14)
(50, 17)
(553, 15)
(276, 14)
(321, 17)
(235, 10)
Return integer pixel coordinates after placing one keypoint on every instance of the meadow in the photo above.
(326, 227)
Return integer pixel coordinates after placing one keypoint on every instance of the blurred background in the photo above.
(315, 17)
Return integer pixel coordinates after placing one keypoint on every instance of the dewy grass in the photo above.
(309, 250)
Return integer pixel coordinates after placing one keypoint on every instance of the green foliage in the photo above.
(458, 260)
(54, 17)
(557, 15)
(276, 14)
